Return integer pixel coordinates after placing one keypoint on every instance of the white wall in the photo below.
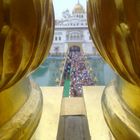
(87, 48)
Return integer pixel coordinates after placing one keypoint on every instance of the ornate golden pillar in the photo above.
(26, 33)
(115, 29)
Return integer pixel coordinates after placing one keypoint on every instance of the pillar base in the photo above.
(24, 122)
(123, 123)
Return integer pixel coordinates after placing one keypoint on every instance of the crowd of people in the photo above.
(76, 71)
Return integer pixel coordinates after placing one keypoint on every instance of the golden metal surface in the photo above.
(78, 8)
(124, 124)
(12, 99)
(26, 34)
(115, 29)
(22, 124)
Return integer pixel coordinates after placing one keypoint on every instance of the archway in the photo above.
(75, 49)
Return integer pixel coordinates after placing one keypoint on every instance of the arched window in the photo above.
(67, 36)
(71, 37)
(78, 36)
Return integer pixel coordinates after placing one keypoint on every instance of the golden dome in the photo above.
(78, 8)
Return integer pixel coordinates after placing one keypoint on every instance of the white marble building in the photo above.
(72, 30)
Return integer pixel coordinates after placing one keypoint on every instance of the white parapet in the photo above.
(48, 126)
(54, 107)
(97, 125)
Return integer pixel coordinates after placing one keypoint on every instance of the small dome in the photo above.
(78, 8)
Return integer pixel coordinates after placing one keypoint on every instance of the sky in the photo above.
(62, 5)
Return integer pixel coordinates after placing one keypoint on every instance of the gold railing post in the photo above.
(115, 29)
(26, 33)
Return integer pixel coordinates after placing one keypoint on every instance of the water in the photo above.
(101, 70)
(50, 72)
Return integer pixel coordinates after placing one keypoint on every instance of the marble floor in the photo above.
(52, 111)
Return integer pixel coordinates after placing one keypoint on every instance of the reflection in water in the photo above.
(49, 73)
(99, 69)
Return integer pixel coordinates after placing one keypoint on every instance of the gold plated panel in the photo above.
(114, 26)
(26, 34)
(124, 124)
(12, 99)
(22, 124)
(115, 29)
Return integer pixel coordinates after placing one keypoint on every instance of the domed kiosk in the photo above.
(78, 8)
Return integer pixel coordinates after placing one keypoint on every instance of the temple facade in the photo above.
(72, 30)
